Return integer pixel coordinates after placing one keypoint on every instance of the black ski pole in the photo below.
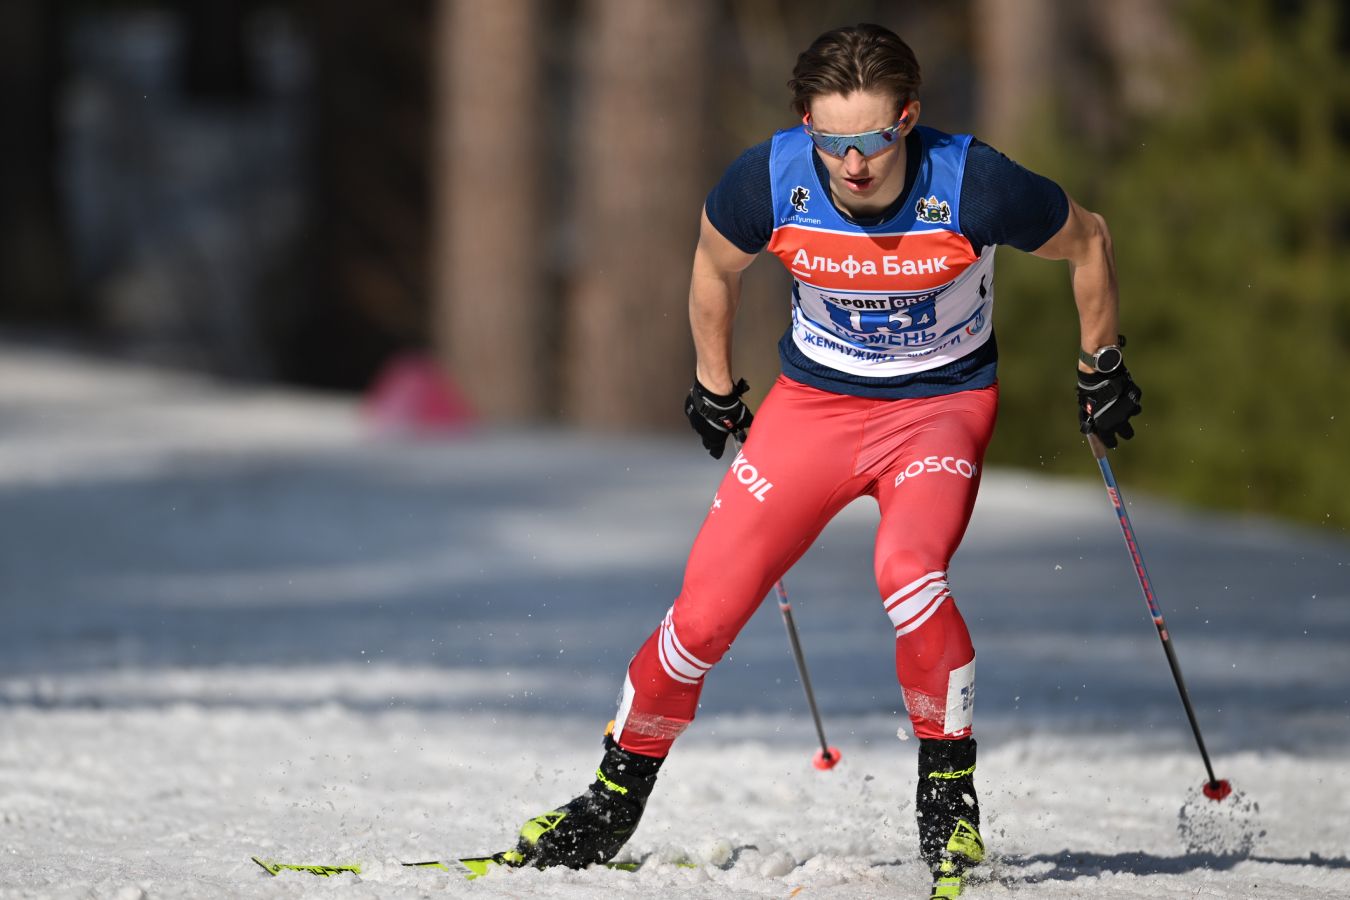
(827, 757)
(1215, 788)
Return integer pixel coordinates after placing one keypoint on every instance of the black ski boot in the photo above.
(595, 826)
(949, 813)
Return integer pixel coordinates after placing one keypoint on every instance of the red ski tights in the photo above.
(808, 455)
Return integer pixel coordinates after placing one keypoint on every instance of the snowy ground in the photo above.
(233, 624)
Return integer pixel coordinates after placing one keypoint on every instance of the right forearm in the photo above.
(714, 294)
(714, 404)
(713, 299)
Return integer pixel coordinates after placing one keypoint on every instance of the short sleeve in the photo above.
(1004, 203)
(741, 205)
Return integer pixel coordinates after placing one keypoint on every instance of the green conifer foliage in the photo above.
(1229, 209)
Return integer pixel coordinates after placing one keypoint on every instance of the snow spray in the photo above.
(1229, 828)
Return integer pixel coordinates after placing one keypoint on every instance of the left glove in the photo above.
(1106, 402)
(714, 416)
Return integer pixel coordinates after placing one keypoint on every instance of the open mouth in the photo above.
(858, 184)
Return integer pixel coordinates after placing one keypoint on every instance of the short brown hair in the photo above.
(855, 58)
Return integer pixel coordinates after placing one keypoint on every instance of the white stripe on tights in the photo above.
(915, 597)
(678, 662)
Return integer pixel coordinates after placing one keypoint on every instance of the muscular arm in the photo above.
(1086, 243)
(714, 294)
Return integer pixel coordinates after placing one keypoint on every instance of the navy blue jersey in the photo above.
(898, 305)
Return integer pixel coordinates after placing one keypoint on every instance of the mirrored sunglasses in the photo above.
(868, 143)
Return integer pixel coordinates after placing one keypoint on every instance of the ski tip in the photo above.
(276, 868)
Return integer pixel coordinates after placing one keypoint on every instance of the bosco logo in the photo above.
(949, 464)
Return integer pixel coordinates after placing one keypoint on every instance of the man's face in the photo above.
(863, 185)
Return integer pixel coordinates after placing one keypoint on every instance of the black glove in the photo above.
(714, 416)
(1105, 404)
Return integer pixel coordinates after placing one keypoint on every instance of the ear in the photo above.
(909, 116)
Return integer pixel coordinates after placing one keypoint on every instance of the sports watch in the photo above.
(1106, 359)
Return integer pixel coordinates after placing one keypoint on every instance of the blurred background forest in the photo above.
(299, 191)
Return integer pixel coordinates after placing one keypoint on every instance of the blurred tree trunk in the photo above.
(33, 265)
(1016, 46)
(1115, 59)
(640, 188)
(1070, 65)
(491, 315)
(1145, 43)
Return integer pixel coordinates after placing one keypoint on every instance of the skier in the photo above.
(888, 388)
